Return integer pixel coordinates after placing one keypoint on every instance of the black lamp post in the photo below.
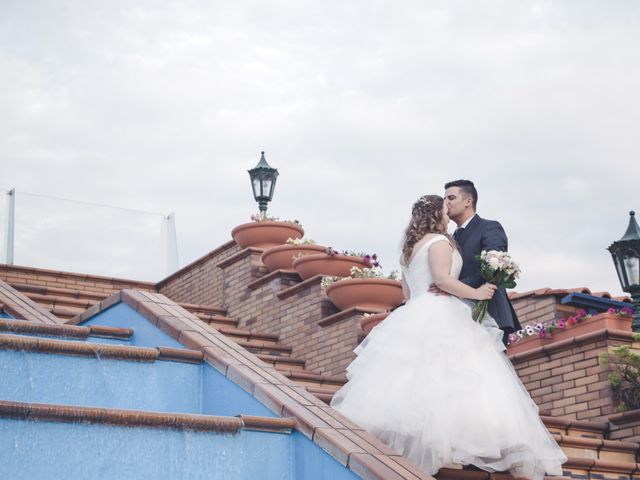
(626, 258)
(263, 182)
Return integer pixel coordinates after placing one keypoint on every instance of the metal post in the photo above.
(11, 207)
(170, 244)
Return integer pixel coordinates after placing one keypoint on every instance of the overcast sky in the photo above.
(362, 107)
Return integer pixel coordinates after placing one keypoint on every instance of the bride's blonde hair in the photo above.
(426, 217)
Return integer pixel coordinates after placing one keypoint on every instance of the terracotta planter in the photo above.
(281, 257)
(330, 265)
(529, 343)
(610, 321)
(367, 323)
(373, 294)
(265, 234)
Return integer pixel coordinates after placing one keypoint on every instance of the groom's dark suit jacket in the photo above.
(478, 235)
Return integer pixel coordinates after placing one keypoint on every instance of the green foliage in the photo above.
(624, 376)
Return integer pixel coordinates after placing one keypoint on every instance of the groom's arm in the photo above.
(493, 238)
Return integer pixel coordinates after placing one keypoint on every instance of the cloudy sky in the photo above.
(362, 106)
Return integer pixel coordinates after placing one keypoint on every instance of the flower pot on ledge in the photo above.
(609, 321)
(265, 234)
(281, 257)
(374, 294)
(325, 264)
(530, 343)
(369, 322)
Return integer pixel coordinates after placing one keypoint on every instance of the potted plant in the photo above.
(333, 263)
(366, 288)
(281, 257)
(265, 231)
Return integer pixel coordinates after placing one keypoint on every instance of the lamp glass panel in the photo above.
(257, 187)
(620, 271)
(266, 186)
(632, 266)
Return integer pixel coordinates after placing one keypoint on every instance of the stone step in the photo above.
(282, 363)
(247, 335)
(597, 448)
(575, 428)
(61, 301)
(60, 292)
(217, 320)
(196, 308)
(264, 347)
(64, 313)
(578, 467)
(459, 473)
(313, 379)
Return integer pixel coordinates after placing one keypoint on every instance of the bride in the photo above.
(433, 384)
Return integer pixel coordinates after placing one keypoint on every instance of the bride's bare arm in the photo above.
(440, 265)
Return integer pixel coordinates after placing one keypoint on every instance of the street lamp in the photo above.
(263, 182)
(626, 258)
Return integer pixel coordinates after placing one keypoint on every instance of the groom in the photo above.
(473, 235)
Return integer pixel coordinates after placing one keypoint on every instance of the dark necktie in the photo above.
(457, 233)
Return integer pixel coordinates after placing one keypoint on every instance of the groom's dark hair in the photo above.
(467, 187)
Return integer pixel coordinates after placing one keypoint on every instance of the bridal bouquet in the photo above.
(499, 269)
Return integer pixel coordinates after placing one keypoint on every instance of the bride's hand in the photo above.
(486, 291)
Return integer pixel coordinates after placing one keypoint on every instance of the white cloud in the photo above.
(362, 107)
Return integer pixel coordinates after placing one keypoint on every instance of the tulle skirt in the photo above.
(436, 387)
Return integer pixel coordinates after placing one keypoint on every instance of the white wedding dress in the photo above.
(435, 386)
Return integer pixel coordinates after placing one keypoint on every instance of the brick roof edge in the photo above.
(195, 263)
(22, 307)
(349, 444)
(84, 276)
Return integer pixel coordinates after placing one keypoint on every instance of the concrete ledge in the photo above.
(547, 350)
(288, 274)
(239, 256)
(308, 283)
(98, 350)
(137, 418)
(343, 315)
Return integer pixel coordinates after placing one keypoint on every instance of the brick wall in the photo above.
(201, 281)
(74, 281)
(533, 309)
(277, 303)
(565, 377)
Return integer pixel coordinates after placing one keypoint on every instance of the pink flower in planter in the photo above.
(572, 320)
(562, 323)
(513, 338)
(611, 310)
(543, 333)
(581, 314)
(626, 311)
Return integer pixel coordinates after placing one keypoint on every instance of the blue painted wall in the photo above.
(48, 450)
(52, 451)
(146, 334)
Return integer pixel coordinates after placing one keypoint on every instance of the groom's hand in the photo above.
(433, 288)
